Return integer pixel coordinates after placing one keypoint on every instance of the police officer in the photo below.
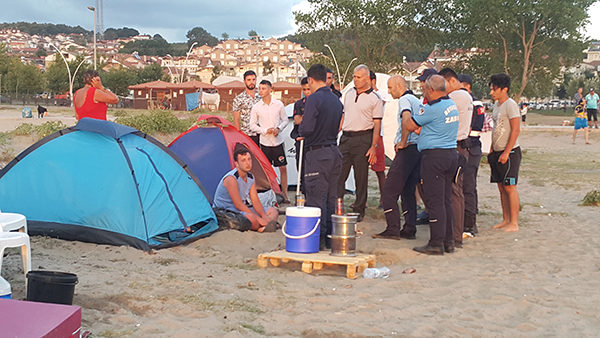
(404, 173)
(298, 114)
(438, 121)
(474, 157)
(320, 126)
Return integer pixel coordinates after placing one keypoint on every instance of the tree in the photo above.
(216, 72)
(368, 30)
(530, 40)
(157, 37)
(268, 68)
(119, 80)
(200, 35)
(115, 33)
(41, 52)
(151, 73)
(252, 33)
(224, 36)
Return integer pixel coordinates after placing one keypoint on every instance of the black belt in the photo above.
(357, 133)
(309, 148)
(438, 150)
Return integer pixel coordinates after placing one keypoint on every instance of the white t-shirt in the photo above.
(464, 103)
(502, 115)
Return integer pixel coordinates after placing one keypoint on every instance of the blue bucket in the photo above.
(302, 229)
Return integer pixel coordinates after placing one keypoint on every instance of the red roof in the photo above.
(195, 85)
(232, 85)
(153, 85)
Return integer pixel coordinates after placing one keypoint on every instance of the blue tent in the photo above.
(106, 183)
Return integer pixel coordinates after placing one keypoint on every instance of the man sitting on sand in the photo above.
(237, 192)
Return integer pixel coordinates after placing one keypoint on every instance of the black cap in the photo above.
(426, 74)
(465, 78)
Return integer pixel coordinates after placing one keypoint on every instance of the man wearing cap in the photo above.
(423, 217)
(363, 111)
(473, 160)
(438, 121)
(320, 126)
(404, 173)
(592, 107)
(464, 103)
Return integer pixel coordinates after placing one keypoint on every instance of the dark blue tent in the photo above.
(106, 183)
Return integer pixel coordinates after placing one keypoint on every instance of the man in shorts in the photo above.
(268, 119)
(237, 192)
(592, 107)
(581, 121)
(505, 154)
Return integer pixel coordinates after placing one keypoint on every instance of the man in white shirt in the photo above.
(464, 103)
(268, 119)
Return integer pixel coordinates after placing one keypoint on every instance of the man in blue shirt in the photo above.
(438, 121)
(592, 107)
(404, 173)
(323, 159)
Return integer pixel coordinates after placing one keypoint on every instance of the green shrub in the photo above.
(592, 198)
(42, 130)
(157, 121)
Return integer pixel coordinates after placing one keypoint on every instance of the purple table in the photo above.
(22, 319)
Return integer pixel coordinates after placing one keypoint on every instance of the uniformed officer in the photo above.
(404, 173)
(470, 171)
(298, 114)
(464, 103)
(320, 126)
(363, 111)
(438, 121)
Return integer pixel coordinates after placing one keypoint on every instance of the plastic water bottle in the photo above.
(372, 273)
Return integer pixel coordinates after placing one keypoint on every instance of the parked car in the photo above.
(61, 96)
(44, 95)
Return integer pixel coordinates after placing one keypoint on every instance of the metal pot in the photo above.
(343, 237)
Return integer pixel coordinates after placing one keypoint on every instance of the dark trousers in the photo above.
(402, 179)
(302, 187)
(458, 201)
(354, 149)
(470, 184)
(438, 168)
(323, 167)
(256, 139)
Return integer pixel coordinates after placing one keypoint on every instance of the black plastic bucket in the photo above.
(51, 287)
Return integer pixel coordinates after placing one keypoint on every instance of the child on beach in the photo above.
(581, 120)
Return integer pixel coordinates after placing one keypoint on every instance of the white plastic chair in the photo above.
(15, 240)
(10, 221)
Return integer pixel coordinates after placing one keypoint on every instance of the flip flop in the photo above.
(270, 227)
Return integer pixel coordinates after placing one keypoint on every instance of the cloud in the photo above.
(171, 19)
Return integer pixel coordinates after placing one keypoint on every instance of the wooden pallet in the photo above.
(316, 261)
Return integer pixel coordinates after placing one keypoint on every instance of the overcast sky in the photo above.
(172, 19)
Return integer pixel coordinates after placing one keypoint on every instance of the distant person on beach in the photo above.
(505, 154)
(242, 105)
(524, 113)
(237, 192)
(581, 121)
(592, 107)
(92, 100)
(268, 119)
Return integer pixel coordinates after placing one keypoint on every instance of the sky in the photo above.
(172, 19)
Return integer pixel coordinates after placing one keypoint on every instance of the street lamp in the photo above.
(169, 68)
(186, 59)
(346, 72)
(173, 60)
(94, 10)
(68, 71)
(335, 61)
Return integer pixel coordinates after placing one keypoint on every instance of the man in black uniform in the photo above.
(298, 114)
(323, 160)
(474, 152)
(330, 81)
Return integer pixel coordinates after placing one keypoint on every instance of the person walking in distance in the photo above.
(505, 154)
(363, 111)
(242, 105)
(404, 173)
(464, 103)
(320, 126)
(438, 121)
(474, 158)
(268, 119)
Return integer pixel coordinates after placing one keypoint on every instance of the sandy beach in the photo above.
(541, 281)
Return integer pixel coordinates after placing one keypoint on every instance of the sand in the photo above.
(539, 282)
